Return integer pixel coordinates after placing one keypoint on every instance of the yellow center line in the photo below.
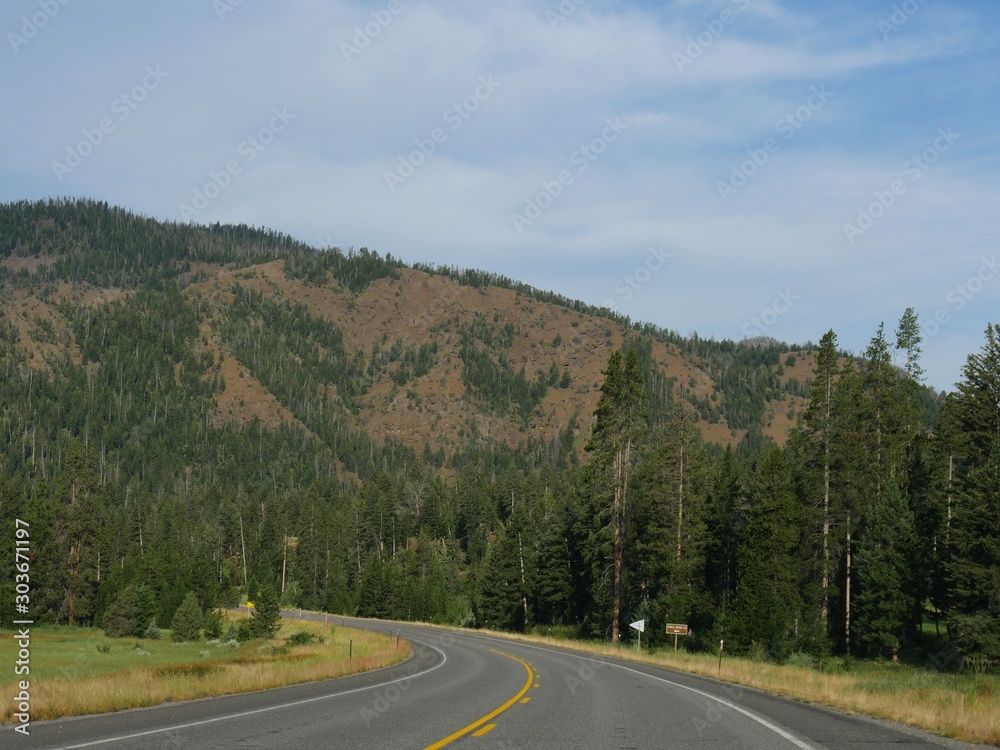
(492, 714)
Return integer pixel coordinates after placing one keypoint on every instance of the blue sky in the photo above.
(731, 167)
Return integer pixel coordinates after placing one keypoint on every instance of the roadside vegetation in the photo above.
(77, 671)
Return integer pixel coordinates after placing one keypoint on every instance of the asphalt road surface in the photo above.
(476, 691)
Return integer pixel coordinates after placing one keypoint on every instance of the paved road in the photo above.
(477, 691)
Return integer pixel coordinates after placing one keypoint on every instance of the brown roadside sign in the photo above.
(677, 629)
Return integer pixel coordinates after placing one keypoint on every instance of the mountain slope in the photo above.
(367, 359)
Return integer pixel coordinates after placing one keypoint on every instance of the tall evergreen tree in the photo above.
(908, 340)
(974, 566)
(768, 600)
(500, 600)
(613, 444)
(670, 519)
(977, 403)
(728, 501)
(852, 453)
(820, 427)
(78, 526)
(974, 528)
(885, 585)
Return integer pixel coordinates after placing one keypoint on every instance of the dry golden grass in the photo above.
(254, 666)
(962, 707)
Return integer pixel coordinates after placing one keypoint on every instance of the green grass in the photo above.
(78, 671)
(58, 651)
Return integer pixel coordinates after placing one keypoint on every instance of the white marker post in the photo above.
(639, 625)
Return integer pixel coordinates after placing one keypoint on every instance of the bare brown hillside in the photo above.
(418, 307)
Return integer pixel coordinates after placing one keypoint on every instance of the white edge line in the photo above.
(228, 717)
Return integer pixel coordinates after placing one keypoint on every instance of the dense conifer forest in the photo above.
(873, 530)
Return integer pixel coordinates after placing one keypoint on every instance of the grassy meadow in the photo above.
(81, 671)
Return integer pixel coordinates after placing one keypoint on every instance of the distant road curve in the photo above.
(462, 690)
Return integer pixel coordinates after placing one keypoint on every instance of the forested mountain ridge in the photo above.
(223, 411)
(435, 357)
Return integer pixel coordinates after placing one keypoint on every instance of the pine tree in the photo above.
(977, 403)
(120, 618)
(852, 454)
(499, 604)
(613, 444)
(186, 624)
(908, 339)
(767, 607)
(885, 585)
(214, 622)
(78, 526)
(820, 426)
(670, 522)
(974, 613)
(972, 531)
(726, 514)
(554, 578)
(266, 617)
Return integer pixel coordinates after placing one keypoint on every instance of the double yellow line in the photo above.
(492, 714)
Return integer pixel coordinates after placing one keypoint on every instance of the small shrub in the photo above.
(213, 624)
(758, 652)
(232, 643)
(243, 631)
(801, 659)
(153, 633)
(103, 648)
(301, 638)
(130, 614)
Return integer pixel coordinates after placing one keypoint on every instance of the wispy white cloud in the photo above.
(358, 113)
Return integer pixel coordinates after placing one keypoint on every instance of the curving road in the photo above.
(476, 691)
